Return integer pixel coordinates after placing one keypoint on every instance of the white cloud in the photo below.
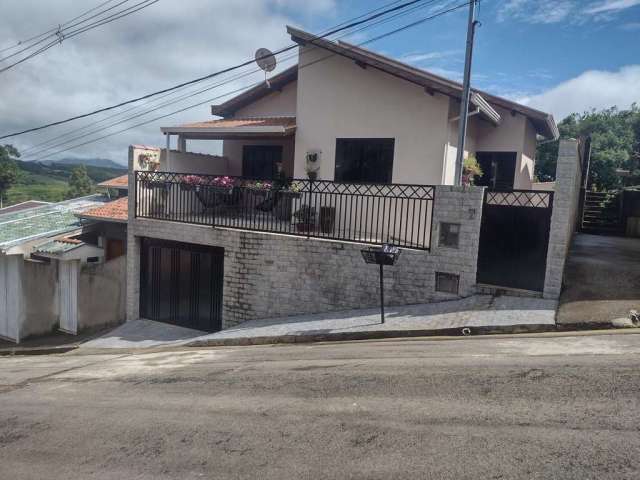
(592, 89)
(165, 44)
(611, 5)
(419, 57)
(554, 11)
(536, 11)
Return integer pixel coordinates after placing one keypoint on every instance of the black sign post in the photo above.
(385, 255)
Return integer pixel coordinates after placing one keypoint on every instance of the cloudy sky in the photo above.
(560, 56)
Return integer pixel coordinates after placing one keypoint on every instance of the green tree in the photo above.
(615, 144)
(79, 183)
(8, 169)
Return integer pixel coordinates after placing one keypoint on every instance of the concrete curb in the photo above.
(383, 334)
(332, 337)
(37, 350)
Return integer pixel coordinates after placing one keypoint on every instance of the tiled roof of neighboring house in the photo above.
(44, 221)
(59, 245)
(22, 206)
(115, 211)
(245, 98)
(274, 125)
(120, 183)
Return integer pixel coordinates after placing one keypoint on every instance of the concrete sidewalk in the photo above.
(481, 313)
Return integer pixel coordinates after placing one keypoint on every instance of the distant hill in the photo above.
(93, 162)
(49, 181)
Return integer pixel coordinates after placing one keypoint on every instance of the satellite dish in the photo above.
(265, 59)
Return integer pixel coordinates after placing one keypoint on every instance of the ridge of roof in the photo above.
(544, 122)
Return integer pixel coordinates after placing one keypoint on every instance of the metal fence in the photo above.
(364, 213)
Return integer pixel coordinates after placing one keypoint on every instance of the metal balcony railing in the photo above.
(351, 212)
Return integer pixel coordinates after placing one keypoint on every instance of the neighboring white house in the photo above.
(53, 270)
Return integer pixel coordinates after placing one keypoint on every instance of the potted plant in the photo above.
(306, 218)
(470, 170)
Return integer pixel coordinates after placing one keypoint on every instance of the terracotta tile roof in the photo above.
(118, 182)
(286, 122)
(115, 211)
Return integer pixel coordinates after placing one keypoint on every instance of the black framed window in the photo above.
(364, 160)
(259, 161)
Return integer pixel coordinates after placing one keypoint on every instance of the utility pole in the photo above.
(466, 91)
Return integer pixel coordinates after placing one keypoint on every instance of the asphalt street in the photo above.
(534, 407)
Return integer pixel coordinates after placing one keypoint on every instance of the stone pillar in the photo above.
(564, 215)
(462, 206)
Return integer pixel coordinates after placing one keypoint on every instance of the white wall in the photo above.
(277, 104)
(189, 162)
(514, 134)
(11, 299)
(338, 99)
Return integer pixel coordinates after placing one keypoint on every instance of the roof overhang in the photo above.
(276, 83)
(251, 127)
(246, 131)
(543, 122)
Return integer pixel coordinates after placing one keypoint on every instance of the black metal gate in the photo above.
(181, 284)
(514, 237)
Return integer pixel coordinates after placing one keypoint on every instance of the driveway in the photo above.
(472, 408)
(602, 279)
(476, 312)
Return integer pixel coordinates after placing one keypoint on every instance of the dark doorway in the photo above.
(514, 238)
(259, 161)
(498, 170)
(181, 284)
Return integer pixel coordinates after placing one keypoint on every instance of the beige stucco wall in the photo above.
(338, 99)
(514, 134)
(189, 162)
(279, 103)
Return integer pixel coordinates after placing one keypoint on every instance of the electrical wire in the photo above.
(146, 122)
(53, 30)
(76, 130)
(64, 36)
(173, 101)
(196, 80)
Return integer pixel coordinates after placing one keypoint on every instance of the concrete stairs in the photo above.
(601, 214)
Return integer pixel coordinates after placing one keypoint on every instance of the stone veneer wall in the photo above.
(269, 275)
(566, 200)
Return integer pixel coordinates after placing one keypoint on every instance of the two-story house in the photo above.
(343, 148)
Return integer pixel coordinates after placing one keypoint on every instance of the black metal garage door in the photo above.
(514, 237)
(181, 284)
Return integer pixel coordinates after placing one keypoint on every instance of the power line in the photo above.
(206, 77)
(146, 122)
(53, 30)
(71, 132)
(173, 101)
(61, 35)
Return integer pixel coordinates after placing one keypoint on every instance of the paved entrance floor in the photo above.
(477, 311)
(143, 334)
(602, 279)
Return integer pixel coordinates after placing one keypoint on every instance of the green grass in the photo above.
(49, 183)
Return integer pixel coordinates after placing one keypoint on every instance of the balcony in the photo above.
(349, 212)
